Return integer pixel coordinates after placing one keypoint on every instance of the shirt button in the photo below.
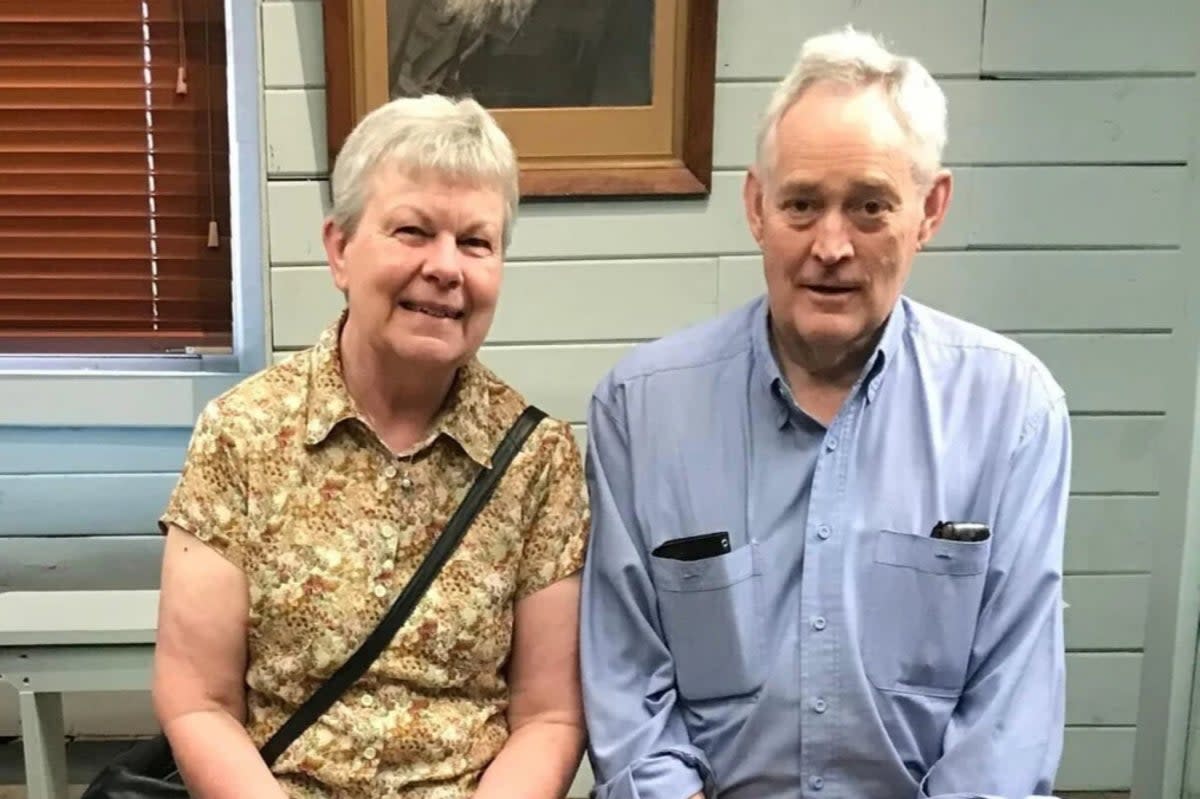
(390, 471)
(819, 705)
(818, 623)
(369, 753)
(823, 532)
(367, 700)
(380, 591)
(816, 783)
(831, 444)
(406, 483)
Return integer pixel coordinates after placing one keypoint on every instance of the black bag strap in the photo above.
(358, 663)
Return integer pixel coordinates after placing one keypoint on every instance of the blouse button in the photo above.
(380, 591)
(369, 753)
(367, 700)
(406, 483)
(390, 471)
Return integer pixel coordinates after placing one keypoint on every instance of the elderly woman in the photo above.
(313, 490)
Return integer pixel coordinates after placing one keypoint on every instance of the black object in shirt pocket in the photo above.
(694, 547)
(709, 610)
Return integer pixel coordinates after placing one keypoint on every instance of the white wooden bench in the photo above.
(55, 642)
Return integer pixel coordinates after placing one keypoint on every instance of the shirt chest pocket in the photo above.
(710, 617)
(920, 604)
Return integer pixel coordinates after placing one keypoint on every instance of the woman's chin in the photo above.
(431, 351)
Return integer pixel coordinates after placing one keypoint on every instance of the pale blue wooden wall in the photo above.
(1073, 127)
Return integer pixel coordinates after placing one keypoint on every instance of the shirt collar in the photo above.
(463, 417)
(873, 371)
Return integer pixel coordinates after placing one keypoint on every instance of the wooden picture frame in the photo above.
(660, 149)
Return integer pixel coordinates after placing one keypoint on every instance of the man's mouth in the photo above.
(829, 290)
(433, 309)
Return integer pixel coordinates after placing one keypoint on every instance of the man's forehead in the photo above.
(840, 181)
(836, 122)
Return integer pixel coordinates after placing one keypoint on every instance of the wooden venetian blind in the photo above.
(114, 177)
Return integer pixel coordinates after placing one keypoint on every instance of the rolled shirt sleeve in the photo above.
(639, 746)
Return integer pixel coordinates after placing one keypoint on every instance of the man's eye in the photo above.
(801, 206)
(875, 207)
(412, 230)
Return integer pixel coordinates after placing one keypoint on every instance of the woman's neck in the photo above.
(399, 399)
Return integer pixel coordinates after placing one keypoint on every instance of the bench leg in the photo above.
(45, 745)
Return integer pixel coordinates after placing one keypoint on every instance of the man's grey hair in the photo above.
(433, 135)
(859, 60)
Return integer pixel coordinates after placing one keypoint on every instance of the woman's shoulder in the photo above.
(552, 442)
(268, 400)
(506, 402)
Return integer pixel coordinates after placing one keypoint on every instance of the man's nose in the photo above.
(832, 242)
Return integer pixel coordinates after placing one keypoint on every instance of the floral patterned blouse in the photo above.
(285, 479)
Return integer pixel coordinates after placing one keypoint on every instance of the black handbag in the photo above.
(147, 770)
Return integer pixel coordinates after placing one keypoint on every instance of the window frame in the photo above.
(47, 388)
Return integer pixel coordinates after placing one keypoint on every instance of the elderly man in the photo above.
(828, 526)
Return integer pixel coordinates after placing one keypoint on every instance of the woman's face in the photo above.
(422, 272)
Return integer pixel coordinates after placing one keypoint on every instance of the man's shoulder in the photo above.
(696, 347)
(988, 356)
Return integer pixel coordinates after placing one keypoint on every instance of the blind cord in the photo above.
(214, 236)
(181, 86)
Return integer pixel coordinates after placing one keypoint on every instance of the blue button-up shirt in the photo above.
(837, 649)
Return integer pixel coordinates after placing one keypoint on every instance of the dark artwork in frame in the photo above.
(523, 53)
(601, 98)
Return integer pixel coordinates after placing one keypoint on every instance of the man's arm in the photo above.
(1005, 737)
(638, 745)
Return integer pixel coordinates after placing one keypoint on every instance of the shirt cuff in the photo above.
(960, 795)
(675, 774)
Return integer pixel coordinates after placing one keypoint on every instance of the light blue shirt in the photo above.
(838, 649)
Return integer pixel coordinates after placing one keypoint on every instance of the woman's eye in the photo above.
(477, 244)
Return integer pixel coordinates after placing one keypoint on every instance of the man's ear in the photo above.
(753, 196)
(335, 241)
(937, 202)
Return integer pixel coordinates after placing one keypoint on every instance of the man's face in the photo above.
(839, 216)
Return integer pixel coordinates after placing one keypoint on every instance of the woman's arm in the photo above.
(199, 672)
(545, 715)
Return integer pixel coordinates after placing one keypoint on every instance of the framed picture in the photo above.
(599, 97)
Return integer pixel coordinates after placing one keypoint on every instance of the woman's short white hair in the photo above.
(859, 60)
(455, 139)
